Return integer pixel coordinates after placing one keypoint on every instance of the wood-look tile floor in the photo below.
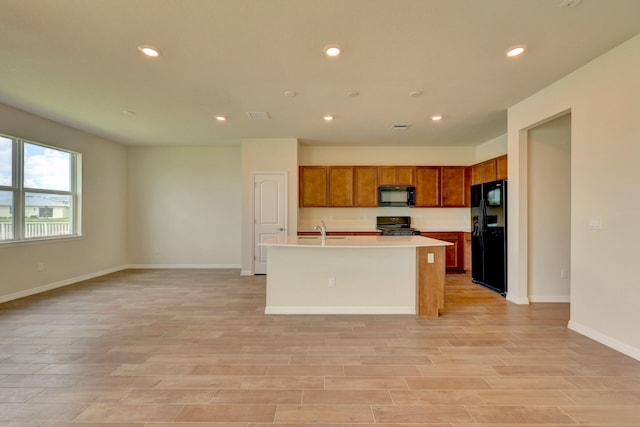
(160, 348)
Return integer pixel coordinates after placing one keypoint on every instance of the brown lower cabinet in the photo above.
(467, 251)
(454, 255)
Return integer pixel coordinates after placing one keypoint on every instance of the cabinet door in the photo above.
(428, 186)
(366, 186)
(341, 186)
(313, 186)
(387, 175)
(489, 168)
(396, 175)
(477, 174)
(405, 175)
(466, 237)
(501, 167)
(454, 255)
(455, 186)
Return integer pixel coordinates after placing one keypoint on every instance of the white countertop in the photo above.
(357, 241)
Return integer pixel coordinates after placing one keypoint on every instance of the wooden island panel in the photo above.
(431, 279)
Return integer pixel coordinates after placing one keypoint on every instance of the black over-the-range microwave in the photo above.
(397, 195)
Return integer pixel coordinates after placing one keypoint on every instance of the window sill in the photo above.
(43, 240)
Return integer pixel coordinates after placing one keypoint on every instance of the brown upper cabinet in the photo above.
(338, 186)
(489, 170)
(501, 167)
(366, 186)
(477, 174)
(357, 186)
(396, 175)
(313, 186)
(442, 186)
(341, 186)
(456, 185)
(428, 180)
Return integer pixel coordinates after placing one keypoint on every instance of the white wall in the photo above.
(395, 156)
(102, 248)
(603, 99)
(493, 148)
(184, 206)
(267, 155)
(549, 236)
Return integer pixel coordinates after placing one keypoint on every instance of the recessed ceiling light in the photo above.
(221, 118)
(290, 93)
(353, 93)
(436, 117)
(149, 51)
(327, 117)
(332, 50)
(515, 51)
(415, 93)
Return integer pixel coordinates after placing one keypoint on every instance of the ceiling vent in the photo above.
(399, 126)
(569, 3)
(258, 115)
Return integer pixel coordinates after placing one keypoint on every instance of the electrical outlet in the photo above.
(332, 282)
(563, 273)
(431, 258)
(40, 266)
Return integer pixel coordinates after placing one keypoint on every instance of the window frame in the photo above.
(19, 192)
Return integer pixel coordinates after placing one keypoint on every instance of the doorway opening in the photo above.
(549, 210)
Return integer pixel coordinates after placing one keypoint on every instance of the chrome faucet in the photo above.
(322, 229)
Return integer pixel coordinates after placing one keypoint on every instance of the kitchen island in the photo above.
(355, 275)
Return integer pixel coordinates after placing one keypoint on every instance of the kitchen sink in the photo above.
(318, 237)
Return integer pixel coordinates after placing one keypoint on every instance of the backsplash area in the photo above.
(364, 219)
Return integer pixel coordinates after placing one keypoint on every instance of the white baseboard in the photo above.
(246, 273)
(605, 339)
(339, 310)
(557, 298)
(72, 280)
(183, 266)
(55, 285)
(517, 300)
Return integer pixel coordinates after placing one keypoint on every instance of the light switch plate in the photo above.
(595, 223)
(431, 258)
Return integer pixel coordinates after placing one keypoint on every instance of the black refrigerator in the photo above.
(489, 235)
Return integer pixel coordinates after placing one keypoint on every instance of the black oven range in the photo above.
(395, 226)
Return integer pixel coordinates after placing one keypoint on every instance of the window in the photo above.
(39, 191)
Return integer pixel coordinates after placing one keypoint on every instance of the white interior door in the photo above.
(269, 214)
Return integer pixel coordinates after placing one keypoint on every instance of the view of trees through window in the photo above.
(43, 195)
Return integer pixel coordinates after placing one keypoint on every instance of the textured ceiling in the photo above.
(77, 62)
